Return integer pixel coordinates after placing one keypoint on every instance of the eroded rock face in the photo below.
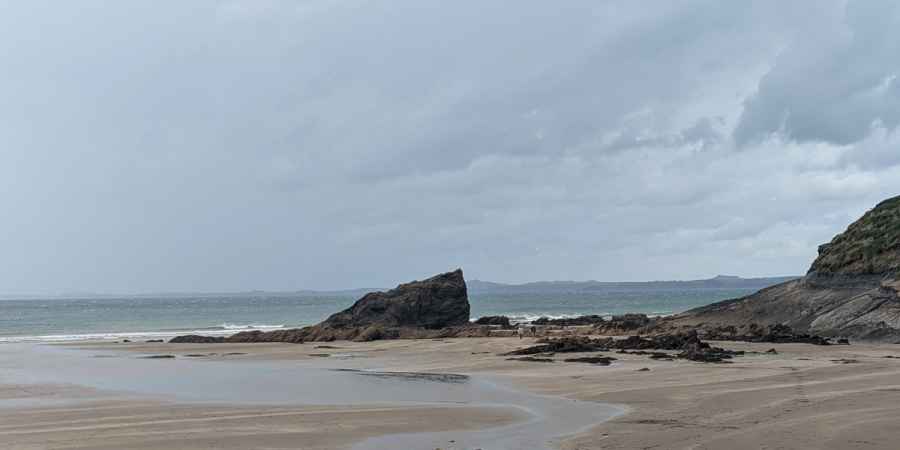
(851, 289)
(438, 302)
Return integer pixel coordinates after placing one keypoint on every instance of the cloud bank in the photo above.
(324, 144)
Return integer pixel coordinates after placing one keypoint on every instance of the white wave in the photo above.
(229, 326)
(224, 330)
(531, 317)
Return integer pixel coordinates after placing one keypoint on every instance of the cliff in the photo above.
(850, 290)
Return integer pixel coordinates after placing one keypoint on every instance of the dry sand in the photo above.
(805, 397)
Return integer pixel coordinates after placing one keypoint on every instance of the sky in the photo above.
(319, 144)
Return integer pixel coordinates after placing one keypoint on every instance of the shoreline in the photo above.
(479, 409)
(839, 397)
(227, 329)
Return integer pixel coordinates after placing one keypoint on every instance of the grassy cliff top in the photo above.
(869, 246)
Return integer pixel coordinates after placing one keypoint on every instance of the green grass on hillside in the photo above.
(871, 245)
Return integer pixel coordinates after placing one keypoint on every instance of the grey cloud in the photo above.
(319, 144)
(833, 85)
(879, 150)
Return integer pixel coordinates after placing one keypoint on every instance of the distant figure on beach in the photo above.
(534, 331)
(521, 331)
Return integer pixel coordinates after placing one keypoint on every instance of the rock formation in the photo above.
(438, 302)
(570, 321)
(197, 339)
(501, 321)
(436, 307)
(688, 345)
(850, 290)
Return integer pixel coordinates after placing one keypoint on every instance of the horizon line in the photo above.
(88, 294)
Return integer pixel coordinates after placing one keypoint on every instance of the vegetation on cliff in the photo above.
(870, 246)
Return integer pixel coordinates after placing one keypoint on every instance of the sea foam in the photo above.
(222, 330)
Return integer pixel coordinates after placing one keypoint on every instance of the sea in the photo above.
(161, 317)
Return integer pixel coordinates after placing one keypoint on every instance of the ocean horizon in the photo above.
(161, 317)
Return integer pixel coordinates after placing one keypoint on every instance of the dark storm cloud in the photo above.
(316, 144)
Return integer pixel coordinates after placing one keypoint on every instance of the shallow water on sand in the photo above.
(316, 382)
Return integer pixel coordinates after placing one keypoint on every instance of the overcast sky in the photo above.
(201, 145)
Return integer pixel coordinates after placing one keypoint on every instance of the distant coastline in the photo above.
(474, 286)
(718, 282)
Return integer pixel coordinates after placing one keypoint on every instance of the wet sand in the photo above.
(839, 397)
(495, 414)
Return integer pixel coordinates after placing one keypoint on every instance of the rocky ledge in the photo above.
(615, 325)
(850, 291)
(686, 346)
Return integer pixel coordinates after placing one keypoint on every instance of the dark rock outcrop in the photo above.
(628, 323)
(615, 325)
(502, 321)
(569, 321)
(598, 360)
(438, 302)
(687, 344)
(196, 339)
(531, 359)
(573, 344)
(851, 290)
(696, 350)
(775, 334)
(433, 308)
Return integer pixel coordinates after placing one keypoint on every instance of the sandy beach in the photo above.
(805, 396)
